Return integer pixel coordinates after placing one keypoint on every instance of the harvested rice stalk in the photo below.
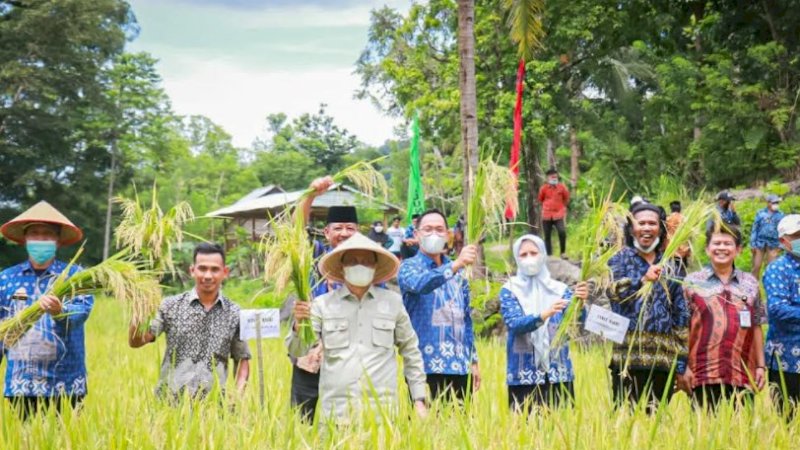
(288, 254)
(696, 217)
(116, 277)
(150, 234)
(595, 254)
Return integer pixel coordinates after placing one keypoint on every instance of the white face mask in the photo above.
(531, 265)
(433, 244)
(378, 229)
(359, 275)
(648, 249)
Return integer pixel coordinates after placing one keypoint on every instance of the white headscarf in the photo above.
(535, 294)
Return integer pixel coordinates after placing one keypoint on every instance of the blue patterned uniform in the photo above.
(782, 284)
(521, 367)
(664, 331)
(437, 301)
(50, 359)
(765, 229)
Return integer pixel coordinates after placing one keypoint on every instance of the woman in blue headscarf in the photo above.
(532, 305)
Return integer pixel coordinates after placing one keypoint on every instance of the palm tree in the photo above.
(466, 84)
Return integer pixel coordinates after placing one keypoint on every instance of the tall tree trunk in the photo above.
(110, 200)
(469, 104)
(575, 157)
(551, 153)
(532, 169)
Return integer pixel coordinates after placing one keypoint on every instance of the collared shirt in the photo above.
(50, 360)
(437, 300)
(359, 339)
(554, 200)
(664, 330)
(199, 342)
(765, 229)
(521, 364)
(782, 285)
(720, 344)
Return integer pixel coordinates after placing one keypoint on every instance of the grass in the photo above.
(121, 412)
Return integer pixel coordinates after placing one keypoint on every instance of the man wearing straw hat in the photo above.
(436, 295)
(48, 364)
(359, 325)
(341, 224)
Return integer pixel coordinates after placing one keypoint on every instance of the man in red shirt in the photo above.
(726, 352)
(554, 197)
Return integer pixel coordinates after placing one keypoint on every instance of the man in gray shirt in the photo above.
(359, 326)
(202, 328)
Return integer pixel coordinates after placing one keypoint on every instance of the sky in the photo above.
(236, 61)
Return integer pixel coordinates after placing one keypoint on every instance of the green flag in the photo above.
(416, 198)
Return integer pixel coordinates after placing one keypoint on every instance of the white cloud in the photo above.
(239, 100)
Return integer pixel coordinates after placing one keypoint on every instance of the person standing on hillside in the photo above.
(396, 234)
(554, 197)
(726, 209)
(764, 234)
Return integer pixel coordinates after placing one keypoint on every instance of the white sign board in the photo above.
(270, 323)
(607, 324)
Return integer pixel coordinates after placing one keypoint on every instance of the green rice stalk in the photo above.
(151, 233)
(364, 176)
(288, 253)
(695, 218)
(116, 277)
(487, 199)
(595, 254)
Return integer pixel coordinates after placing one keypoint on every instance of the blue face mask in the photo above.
(796, 247)
(41, 251)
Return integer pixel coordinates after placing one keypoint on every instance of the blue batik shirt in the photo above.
(663, 333)
(765, 229)
(437, 301)
(521, 364)
(782, 284)
(50, 359)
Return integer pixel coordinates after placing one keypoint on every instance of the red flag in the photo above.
(511, 210)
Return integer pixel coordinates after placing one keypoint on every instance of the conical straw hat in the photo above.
(331, 264)
(41, 212)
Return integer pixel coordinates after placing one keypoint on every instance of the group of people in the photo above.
(703, 327)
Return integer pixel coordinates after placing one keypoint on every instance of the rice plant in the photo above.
(150, 233)
(696, 217)
(288, 253)
(488, 199)
(121, 412)
(115, 277)
(596, 250)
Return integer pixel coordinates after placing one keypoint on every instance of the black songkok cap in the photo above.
(342, 214)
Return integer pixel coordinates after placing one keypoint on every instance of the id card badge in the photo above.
(744, 318)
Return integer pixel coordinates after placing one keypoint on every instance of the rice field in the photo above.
(121, 412)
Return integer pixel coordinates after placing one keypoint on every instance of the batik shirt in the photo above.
(720, 343)
(50, 359)
(521, 365)
(199, 342)
(765, 229)
(782, 284)
(437, 300)
(663, 332)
